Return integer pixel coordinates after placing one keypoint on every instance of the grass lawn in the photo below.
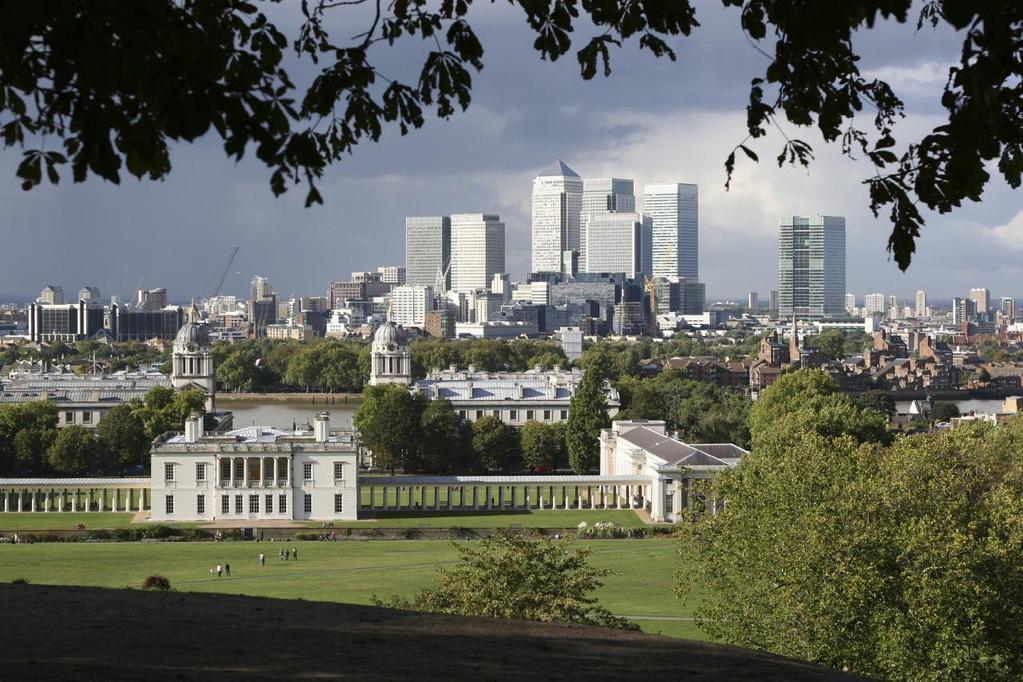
(350, 572)
(63, 520)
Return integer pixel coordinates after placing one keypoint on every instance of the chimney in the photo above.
(321, 427)
(193, 428)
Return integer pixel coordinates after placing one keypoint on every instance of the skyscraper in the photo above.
(981, 298)
(557, 206)
(873, 303)
(674, 210)
(51, 295)
(603, 195)
(618, 242)
(1008, 308)
(772, 302)
(850, 304)
(427, 250)
(260, 288)
(894, 310)
(751, 301)
(477, 250)
(921, 304)
(811, 267)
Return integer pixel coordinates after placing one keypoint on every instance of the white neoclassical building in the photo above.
(255, 473)
(390, 356)
(674, 469)
(192, 358)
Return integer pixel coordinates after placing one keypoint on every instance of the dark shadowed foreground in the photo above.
(86, 633)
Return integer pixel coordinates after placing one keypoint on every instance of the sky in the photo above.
(651, 120)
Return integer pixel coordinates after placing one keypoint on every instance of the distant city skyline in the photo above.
(652, 122)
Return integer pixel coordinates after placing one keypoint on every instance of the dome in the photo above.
(193, 333)
(389, 333)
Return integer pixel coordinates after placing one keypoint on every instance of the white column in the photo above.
(500, 497)
(46, 501)
(245, 472)
(383, 497)
(7, 500)
(618, 496)
(277, 465)
(490, 502)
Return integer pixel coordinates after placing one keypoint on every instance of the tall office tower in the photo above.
(52, 295)
(962, 310)
(477, 250)
(619, 242)
(501, 285)
(392, 274)
(850, 304)
(811, 267)
(981, 300)
(428, 251)
(752, 302)
(894, 309)
(410, 303)
(873, 303)
(921, 304)
(89, 295)
(604, 195)
(1008, 307)
(772, 302)
(261, 289)
(557, 205)
(674, 210)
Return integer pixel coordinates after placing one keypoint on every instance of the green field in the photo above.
(24, 521)
(350, 572)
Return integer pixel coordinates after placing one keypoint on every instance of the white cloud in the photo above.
(1009, 234)
(924, 77)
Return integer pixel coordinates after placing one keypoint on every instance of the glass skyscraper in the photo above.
(618, 242)
(427, 250)
(674, 210)
(477, 250)
(603, 195)
(557, 206)
(811, 267)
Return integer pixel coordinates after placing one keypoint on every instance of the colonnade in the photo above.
(490, 495)
(249, 472)
(61, 499)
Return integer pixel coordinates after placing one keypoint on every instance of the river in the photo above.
(282, 414)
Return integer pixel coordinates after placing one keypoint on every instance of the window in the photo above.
(282, 504)
(200, 472)
(513, 415)
(253, 504)
(169, 504)
(339, 470)
(546, 415)
(86, 417)
(225, 470)
(529, 415)
(268, 504)
(479, 414)
(200, 504)
(307, 503)
(69, 417)
(564, 415)
(339, 503)
(225, 504)
(168, 472)
(461, 413)
(307, 471)
(496, 413)
(237, 504)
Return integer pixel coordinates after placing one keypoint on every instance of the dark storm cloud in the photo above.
(652, 119)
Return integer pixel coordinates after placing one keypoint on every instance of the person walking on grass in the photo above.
(294, 553)
(280, 554)
(262, 559)
(227, 569)
(220, 570)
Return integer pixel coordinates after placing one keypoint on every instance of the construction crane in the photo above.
(223, 275)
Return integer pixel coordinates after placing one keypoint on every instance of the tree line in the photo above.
(32, 445)
(343, 365)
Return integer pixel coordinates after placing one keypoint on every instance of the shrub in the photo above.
(156, 582)
(194, 534)
(100, 535)
(307, 536)
(20, 581)
(157, 531)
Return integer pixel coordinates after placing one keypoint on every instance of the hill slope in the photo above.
(88, 633)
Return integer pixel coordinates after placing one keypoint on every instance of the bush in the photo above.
(307, 536)
(20, 581)
(157, 531)
(194, 534)
(100, 535)
(156, 582)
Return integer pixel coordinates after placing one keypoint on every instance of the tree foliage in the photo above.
(76, 452)
(26, 432)
(110, 86)
(496, 445)
(389, 421)
(900, 562)
(587, 415)
(510, 576)
(543, 445)
(122, 434)
(944, 410)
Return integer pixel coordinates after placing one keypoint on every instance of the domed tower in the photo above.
(192, 359)
(390, 358)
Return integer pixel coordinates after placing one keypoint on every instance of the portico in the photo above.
(74, 494)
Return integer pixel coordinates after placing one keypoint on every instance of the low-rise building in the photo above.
(255, 473)
(539, 394)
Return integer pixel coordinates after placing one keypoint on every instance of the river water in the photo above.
(283, 414)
